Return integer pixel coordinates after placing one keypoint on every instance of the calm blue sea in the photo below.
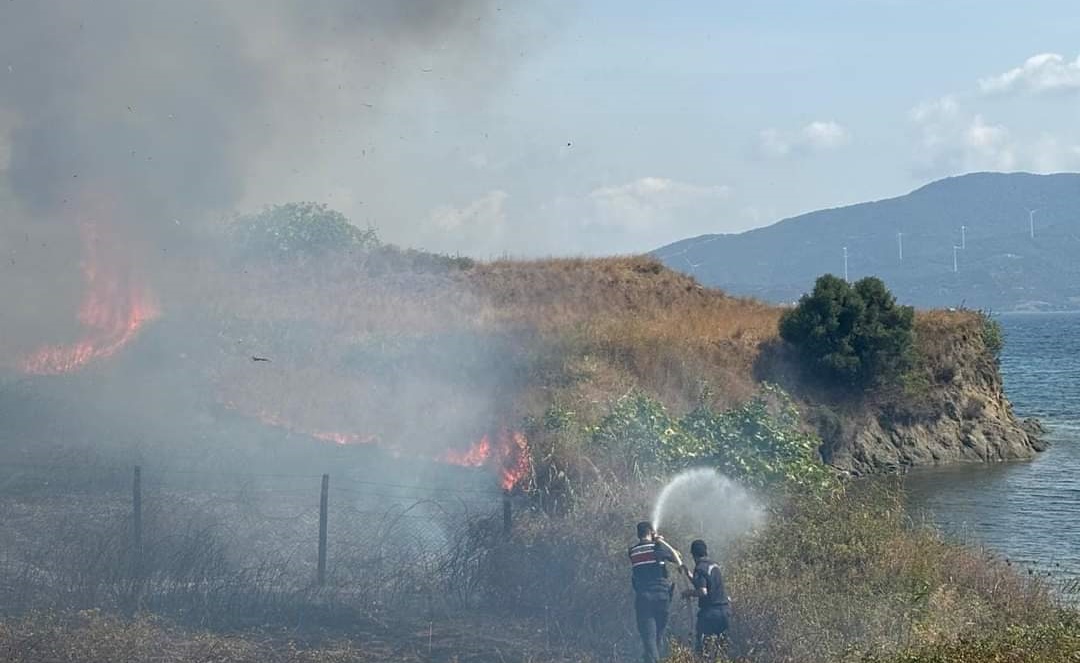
(1027, 511)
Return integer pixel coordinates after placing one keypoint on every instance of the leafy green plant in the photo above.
(639, 432)
(761, 443)
(992, 336)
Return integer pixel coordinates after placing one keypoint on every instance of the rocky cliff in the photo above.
(951, 409)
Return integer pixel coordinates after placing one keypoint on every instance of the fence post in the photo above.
(322, 528)
(136, 518)
(137, 534)
(508, 515)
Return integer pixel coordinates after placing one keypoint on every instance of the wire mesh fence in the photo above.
(239, 547)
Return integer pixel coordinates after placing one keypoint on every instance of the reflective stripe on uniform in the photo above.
(643, 554)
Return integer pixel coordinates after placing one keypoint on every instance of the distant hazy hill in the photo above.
(1001, 267)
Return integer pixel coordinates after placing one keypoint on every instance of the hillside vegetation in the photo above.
(359, 345)
(620, 373)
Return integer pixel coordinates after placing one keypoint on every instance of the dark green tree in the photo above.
(300, 230)
(856, 336)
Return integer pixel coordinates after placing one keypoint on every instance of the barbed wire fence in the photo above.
(240, 548)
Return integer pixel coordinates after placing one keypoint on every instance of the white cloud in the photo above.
(1051, 155)
(1046, 72)
(825, 135)
(774, 144)
(991, 143)
(935, 109)
(950, 139)
(486, 213)
(818, 136)
(649, 203)
(478, 228)
(630, 217)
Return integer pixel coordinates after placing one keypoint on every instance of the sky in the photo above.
(628, 125)
(574, 128)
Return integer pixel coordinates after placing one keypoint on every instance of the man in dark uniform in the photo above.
(652, 588)
(714, 609)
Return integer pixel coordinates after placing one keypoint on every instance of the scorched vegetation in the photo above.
(577, 386)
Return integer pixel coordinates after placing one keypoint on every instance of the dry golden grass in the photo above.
(357, 346)
(576, 331)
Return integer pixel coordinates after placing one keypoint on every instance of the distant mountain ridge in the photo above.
(986, 216)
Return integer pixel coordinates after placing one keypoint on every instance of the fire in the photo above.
(343, 438)
(277, 421)
(112, 313)
(509, 456)
(476, 455)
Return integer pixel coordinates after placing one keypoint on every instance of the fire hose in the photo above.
(685, 573)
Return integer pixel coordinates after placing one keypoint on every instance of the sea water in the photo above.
(1026, 511)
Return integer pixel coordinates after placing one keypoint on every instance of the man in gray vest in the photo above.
(714, 611)
(653, 588)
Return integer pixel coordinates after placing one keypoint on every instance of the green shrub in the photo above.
(992, 336)
(300, 229)
(641, 438)
(852, 335)
(1055, 642)
(760, 443)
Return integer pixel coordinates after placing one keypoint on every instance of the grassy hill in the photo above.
(619, 370)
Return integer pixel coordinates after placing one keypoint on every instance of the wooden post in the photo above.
(322, 528)
(137, 568)
(508, 515)
(136, 525)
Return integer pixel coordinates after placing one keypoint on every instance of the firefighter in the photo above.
(653, 588)
(714, 611)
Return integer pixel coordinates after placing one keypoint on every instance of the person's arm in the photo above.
(701, 587)
(674, 555)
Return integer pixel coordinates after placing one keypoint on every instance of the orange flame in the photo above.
(271, 419)
(509, 455)
(113, 311)
(475, 456)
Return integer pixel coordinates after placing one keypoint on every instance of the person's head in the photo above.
(645, 531)
(698, 549)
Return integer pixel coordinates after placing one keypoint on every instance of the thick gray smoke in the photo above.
(169, 103)
(162, 115)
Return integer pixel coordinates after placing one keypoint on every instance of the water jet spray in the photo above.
(708, 505)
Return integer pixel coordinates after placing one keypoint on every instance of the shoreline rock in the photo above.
(962, 416)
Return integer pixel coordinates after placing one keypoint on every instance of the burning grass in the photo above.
(115, 304)
(353, 349)
(841, 577)
(444, 361)
(355, 345)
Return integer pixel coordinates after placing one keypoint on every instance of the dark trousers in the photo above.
(652, 620)
(711, 622)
